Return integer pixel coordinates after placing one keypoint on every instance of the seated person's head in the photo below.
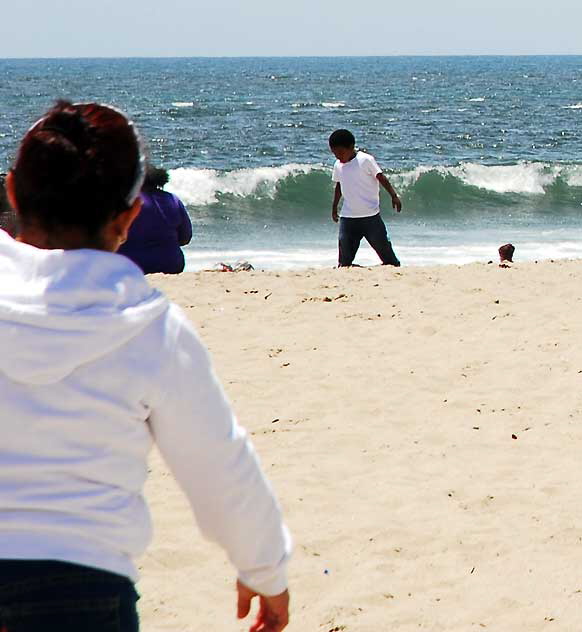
(342, 144)
(7, 214)
(506, 253)
(155, 178)
(77, 175)
(4, 206)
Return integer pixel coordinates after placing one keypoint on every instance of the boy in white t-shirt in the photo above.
(358, 178)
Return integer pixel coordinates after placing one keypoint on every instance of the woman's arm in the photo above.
(214, 462)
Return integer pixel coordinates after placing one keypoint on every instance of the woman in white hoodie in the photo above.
(96, 366)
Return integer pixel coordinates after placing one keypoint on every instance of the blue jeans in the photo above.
(47, 596)
(351, 231)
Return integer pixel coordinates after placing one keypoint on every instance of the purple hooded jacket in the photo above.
(155, 237)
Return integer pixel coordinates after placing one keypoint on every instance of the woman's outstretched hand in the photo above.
(273, 613)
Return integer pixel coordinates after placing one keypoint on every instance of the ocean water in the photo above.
(483, 150)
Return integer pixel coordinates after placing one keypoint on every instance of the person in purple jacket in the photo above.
(162, 226)
(8, 219)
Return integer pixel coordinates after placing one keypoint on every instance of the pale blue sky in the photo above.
(111, 28)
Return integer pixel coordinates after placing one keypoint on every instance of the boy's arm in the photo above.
(336, 199)
(396, 203)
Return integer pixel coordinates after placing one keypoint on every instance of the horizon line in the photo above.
(394, 55)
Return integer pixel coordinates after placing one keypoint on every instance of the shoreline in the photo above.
(316, 269)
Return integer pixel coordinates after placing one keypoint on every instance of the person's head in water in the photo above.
(77, 177)
(342, 144)
(506, 253)
(155, 179)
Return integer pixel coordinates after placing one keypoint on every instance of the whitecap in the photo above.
(183, 104)
(333, 104)
(523, 178)
(201, 187)
(520, 178)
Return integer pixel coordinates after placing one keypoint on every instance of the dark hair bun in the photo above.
(76, 167)
(69, 124)
(155, 178)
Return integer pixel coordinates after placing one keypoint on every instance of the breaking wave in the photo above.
(305, 188)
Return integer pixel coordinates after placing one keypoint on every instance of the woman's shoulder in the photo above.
(158, 194)
(164, 197)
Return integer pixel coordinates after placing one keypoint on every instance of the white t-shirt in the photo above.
(360, 187)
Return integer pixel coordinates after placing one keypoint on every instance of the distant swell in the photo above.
(305, 188)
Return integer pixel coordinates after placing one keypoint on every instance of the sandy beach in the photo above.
(422, 429)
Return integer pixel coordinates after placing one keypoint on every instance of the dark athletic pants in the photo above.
(47, 596)
(351, 231)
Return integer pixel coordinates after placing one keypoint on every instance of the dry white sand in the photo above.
(422, 428)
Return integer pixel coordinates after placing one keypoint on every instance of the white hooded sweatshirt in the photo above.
(95, 366)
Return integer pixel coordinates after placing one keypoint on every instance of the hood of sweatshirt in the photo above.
(61, 309)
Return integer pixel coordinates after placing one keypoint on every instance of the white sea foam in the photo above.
(576, 106)
(461, 254)
(524, 177)
(183, 104)
(333, 104)
(202, 186)
(300, 105)
(477, 100)
(521, 178)
(266, 259)
(574, 176)
(453, 252)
